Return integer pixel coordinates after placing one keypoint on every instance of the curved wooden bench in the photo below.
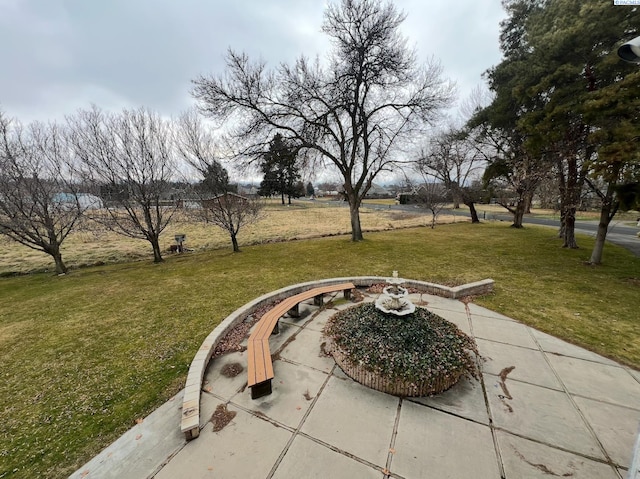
(259, 365)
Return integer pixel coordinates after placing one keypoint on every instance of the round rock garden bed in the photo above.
(419, 354)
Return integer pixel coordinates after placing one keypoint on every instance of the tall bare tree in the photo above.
(39, 203)
(356, 112)
(129, 157)
(220, 205)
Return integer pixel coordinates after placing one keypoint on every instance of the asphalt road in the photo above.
(619, 234)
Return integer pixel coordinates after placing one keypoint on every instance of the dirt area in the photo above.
(221, 417)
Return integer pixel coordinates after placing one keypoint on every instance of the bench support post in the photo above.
(295, 311)
(261, 389)
(318, 300)
(347, 294)
(276, 328)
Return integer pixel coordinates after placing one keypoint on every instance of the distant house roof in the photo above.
(377, 190)
(250, 190)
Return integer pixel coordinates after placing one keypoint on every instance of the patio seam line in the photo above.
(485, 396)
(392, 443)
(610, 461)
(262, 417)
(560, 355)
(299, 432)
(284, 451)
(506, 344)
(628, 370)
(606, 402)
(528, 383)
(559, 448)
(345, 453)
(295, 433)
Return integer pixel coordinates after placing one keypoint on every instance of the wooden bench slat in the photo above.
(259, 364)
(268, 320)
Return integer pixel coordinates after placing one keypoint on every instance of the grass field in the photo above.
(302, 220)
(86, 354)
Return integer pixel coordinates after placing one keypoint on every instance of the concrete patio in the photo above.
(544, 408)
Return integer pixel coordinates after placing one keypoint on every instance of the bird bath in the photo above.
(393, 299)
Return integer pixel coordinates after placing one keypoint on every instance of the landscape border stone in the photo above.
(190, 418)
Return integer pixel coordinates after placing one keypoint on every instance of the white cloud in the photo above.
(58, 56)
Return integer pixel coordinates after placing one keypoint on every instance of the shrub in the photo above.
(418, 348)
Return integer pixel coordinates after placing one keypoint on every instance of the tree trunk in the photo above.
(234, 242)
(563, 223)
(603, 225)
(528, 199)
(356, 229)
(456, 200)
(473, 212)
(282, 197)
(607, 212)
(569, 238)
(157, 255)
(61, 268)
(518, 213)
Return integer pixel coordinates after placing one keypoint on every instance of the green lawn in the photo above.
(84, 355)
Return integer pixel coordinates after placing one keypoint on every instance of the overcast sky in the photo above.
(58, 56)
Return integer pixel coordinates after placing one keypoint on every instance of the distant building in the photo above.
(377, 191)
(249, 191)
(86, 201)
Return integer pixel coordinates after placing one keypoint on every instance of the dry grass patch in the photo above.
(302, 220)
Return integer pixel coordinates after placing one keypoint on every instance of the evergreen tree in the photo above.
(310, 190)
(568, 101)
(281, 171)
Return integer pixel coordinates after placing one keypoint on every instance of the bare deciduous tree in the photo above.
(39, 203)
(231, 212)
(450, 158)
(356, 113)
(433, 196)
(129, 157)
(220, 205)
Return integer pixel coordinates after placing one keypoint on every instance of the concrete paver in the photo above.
(311, 460)
(460, 319)
(354, 419)
(293, 388)
(557, 346)
(438, 302)
(221, 385)
(562, 411)
(306, 310)
(465, 399)
(426, 442)
(306, 349)
(320, 320)
(615, 426)
(597, 381)
(531, 460)
(541, 414)
(528, 365)
(247, 447)
(476, 310)
(499, 330)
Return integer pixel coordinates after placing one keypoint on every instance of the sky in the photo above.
(59, 56)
